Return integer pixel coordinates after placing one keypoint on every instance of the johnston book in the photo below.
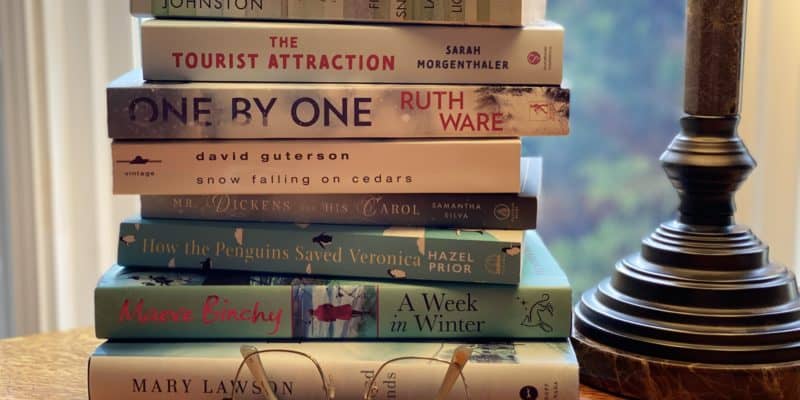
(446, 210)
(238, 51)
(174, 304)
(209, 110)
(455, 12)
(316, 166)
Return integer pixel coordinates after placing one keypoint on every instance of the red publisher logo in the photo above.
(534, 58)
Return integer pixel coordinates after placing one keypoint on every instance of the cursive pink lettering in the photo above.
(219, 310)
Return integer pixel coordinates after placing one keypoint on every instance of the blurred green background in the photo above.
(603, 188)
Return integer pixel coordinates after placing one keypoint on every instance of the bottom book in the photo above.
(202, 370)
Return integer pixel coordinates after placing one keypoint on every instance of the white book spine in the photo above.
(287, 52)
(304, 166)
(192, 378)
(456, 12)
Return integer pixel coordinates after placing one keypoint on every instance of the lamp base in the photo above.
(633, 375)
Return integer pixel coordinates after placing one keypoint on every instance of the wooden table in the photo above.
(52, 366)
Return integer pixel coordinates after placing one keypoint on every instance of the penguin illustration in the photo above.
(514, 250)
(397, 273)
(478, 231)
(128, 239)
(206, 265)
(323, 240)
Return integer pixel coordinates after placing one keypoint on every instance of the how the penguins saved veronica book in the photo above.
(352, 251)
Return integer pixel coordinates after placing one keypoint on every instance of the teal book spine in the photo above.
(132, 303)
(355, 251)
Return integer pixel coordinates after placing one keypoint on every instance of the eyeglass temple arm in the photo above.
(460, 357)
(253, 361)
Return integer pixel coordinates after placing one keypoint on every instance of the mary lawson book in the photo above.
(289, 52)
(448, 210)
(316, 167)
(205, 371)
(456, 12)
(214, 110)
(134, 303)
(353, 251)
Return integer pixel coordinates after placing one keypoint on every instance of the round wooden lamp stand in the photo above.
(700, 312)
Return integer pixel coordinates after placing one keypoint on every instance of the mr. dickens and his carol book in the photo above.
(328, 186)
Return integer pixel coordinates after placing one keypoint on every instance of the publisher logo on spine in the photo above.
(506, 212)
(528, 393)
(534, 58)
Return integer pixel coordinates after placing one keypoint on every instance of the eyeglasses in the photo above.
(251, 357)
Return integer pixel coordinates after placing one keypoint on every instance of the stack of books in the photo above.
(335, 209)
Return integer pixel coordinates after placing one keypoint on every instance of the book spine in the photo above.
(204, 378)
(253, 111)
(412, 11)
(330, 250)
(284, 52)
(336, 311)
(315, 167)
(501, 211)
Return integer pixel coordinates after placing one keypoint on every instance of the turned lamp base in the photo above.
(637, 376)
(700, 312)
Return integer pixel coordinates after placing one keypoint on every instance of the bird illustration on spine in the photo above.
(536, 313)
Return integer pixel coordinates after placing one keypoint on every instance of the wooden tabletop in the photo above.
(52, 366)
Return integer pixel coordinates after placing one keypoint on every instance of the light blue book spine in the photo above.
(485, 256)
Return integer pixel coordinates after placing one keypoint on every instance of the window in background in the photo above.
(5, 290)
(603, 187)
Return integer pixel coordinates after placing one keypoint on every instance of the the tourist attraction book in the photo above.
(237, 51)
(456, 12)
(316, 167)
(446, 210)
(207, 370)
(353, 251)
(210, 110)
(136, 303)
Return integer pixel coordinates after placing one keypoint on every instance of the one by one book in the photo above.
(289, 52)
(353, 251)
(450, 210)
(314, 167)
(456, 12)
(206, 370)
(208, 110)
(135, 303)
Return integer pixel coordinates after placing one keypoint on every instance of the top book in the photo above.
(454, 12)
